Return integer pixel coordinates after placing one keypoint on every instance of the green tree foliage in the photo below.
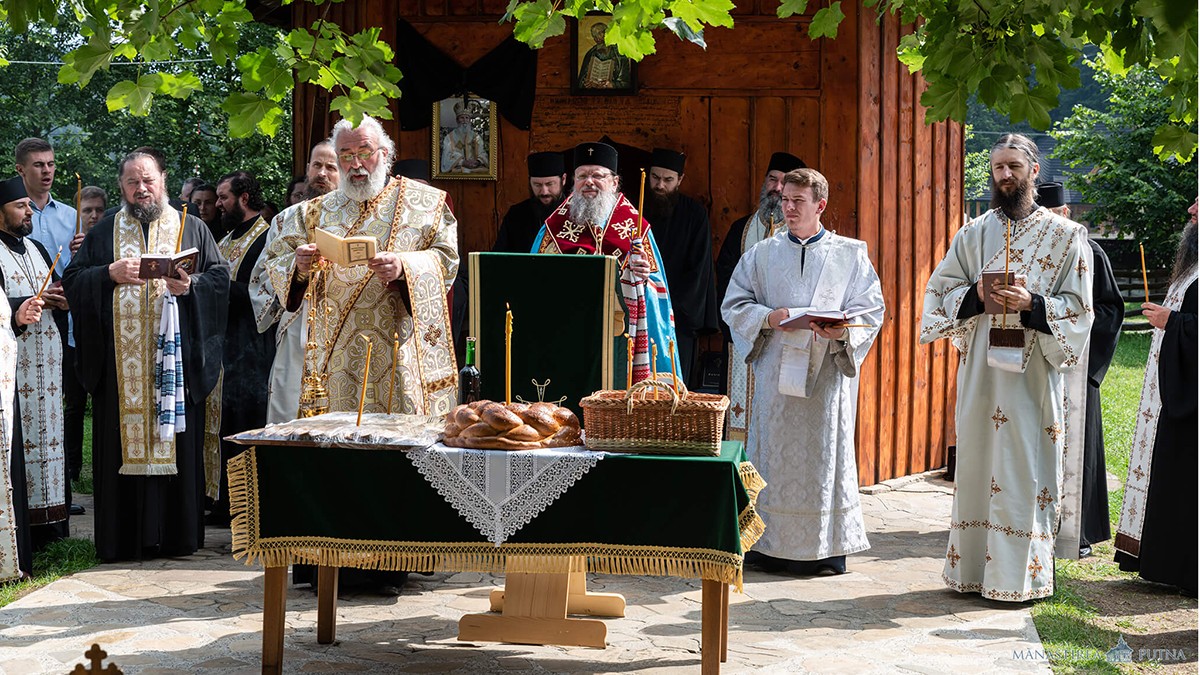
(1133, 190)
(1016, 55)
(977, 168)
(89, 139)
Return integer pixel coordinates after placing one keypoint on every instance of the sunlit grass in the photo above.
(57, 560)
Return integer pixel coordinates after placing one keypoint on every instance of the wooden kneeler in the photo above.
(535, 607)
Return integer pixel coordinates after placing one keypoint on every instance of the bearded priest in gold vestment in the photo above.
(399, 294)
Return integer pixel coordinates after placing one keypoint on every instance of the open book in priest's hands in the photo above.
(805, 317)
(156, 266)
(344, 251)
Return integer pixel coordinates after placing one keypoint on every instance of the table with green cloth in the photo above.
(368, 507)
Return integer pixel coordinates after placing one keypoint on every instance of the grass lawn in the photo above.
(1094, 602)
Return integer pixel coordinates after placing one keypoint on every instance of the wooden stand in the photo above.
(535, 607)
(534, 611)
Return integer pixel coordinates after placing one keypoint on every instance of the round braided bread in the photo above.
(517, 426)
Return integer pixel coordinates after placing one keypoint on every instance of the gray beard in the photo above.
(146, 214)
(770, 206)
(374, 185)
(594, 211)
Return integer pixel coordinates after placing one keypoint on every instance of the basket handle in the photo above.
(641, 388)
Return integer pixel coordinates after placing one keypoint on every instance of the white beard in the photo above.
(362, 192)
(593, 211)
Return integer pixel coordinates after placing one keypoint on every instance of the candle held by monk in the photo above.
(179, 237)
(362, 396)
(395, 358)
(641, 203)
(78, 203)
(1145, 279)
(49, 274)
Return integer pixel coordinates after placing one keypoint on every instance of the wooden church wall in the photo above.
(846, 106)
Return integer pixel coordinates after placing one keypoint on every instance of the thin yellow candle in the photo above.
(1145, 281)
(395, 358)
(182, 222)
(362, 396)
(629, 366)
(641, 201)
(49, 273)
(654, 365)
(1007, 245)
(78, 203)
(671, 343)
(508, 320)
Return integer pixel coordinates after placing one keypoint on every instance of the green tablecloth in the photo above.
(632, 514)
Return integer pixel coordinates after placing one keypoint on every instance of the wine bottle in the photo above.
(468, 377)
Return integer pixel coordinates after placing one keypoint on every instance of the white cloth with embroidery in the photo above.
(1011, 423)
(803, 446)
(499, 491)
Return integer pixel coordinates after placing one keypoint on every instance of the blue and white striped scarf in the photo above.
(168, 373)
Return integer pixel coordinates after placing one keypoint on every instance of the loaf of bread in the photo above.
(516, 426)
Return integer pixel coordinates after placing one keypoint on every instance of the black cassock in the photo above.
(147, 516)
(520, 226)
(685, 242)
(1168, 545)
(1106, 331)
(248, 358)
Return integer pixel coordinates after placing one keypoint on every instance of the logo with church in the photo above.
(1121, 653)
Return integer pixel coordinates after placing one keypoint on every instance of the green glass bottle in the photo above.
(468, 377)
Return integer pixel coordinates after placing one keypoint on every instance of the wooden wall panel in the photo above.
(846, 106)
(731, 190)
(867, 203)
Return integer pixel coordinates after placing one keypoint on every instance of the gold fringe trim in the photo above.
(617, 559)
(148, 470)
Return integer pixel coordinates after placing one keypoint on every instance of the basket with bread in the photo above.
(491, 425)
(655, 417)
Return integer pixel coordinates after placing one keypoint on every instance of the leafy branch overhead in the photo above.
(1015, 55)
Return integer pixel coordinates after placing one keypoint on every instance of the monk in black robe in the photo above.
(1109, 308)
(1165, 550)
(547, 177)
(143, 516)
(248, 353)
(684, 238)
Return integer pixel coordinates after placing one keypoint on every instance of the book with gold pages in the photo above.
(157, 266)
(344, 251)
(805, 317)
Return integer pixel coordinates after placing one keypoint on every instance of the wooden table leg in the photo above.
(327, 592)
(724, 622)
(579, 599)
(274, 606)
(710, 627)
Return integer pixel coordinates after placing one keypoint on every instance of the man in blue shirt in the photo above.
(54, 226)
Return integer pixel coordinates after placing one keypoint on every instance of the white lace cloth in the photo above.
(499, 491)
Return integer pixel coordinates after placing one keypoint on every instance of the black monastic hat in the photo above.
(12, 189)
(1051, 195)
(416, 169)
(668, 159)
(785, 162)
(598, 154)
(546, 165)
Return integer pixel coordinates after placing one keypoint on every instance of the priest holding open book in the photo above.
(149, 352)
(801, 429)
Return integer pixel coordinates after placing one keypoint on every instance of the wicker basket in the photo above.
(676, 423)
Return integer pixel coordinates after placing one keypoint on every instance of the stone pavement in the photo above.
(203, 613)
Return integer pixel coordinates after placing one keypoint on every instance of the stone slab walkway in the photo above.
(203, 613)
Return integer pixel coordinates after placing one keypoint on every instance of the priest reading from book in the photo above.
(1011, 412)
(397, 293)
(596, 219)
(149, 352)
(801, 432)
